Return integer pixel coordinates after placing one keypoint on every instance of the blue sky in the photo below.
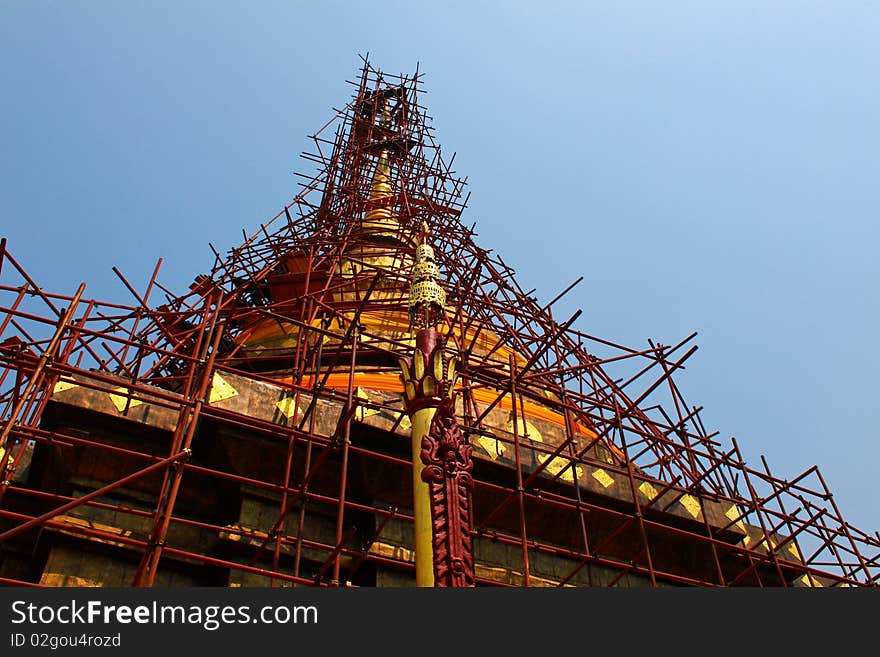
(705, 166)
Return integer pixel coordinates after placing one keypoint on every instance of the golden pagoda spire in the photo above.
(380, 217)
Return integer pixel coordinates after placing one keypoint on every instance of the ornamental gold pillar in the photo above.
(441, 457)
(420, 395)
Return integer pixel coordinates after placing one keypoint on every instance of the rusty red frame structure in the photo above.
(641, 429)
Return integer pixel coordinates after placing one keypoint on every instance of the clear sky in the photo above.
(706, 166)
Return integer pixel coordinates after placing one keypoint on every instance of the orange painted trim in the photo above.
(393, 322)
(391, 383)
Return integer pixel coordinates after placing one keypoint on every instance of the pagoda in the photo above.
(361, 395)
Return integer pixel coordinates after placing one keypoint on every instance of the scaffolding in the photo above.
(134, 428)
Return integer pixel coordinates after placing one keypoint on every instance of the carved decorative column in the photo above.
(442, 462)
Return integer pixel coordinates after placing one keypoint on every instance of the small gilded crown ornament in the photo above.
(426, 297)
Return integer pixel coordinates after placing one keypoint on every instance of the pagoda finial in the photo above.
(426, 296)
(380, 217)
